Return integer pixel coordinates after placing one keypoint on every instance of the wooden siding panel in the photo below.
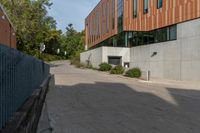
(172, 12)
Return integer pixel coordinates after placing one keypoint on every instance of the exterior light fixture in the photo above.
(154, 54)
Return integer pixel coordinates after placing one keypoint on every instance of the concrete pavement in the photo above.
(87, 101)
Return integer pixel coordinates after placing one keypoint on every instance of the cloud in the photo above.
(71, 11)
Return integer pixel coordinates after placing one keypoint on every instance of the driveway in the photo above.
(87, 101)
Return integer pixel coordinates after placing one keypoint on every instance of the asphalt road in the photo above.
(87, 101)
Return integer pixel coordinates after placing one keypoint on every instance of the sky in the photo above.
(71, 11)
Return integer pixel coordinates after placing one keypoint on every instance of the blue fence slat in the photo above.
(20, 75)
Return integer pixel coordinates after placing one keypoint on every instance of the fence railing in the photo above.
(20, 75)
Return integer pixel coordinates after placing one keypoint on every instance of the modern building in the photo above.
(7, 31)
(160, 36)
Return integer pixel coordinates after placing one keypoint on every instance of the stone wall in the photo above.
(26, 118)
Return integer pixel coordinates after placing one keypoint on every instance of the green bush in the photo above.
(75, 60)
(105, 67)
(134, 73)
(80, 65)
(49, 57)
(117, 70)
(89, 66)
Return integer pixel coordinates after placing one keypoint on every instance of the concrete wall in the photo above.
(116, 51)
(94, 56)
(99, 55)
(176, 60)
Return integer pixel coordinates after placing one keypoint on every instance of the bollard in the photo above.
(148, 75)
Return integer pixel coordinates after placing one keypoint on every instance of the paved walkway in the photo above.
(87, 101)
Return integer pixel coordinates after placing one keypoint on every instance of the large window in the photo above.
(173, 32)
(134, 8)
(159, 3)
(113, 14)
(146, 4)
(120, 15)
(115, 60)
(155, 36)
(98, 24)
(107, 17)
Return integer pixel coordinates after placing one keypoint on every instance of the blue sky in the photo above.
(71, 11)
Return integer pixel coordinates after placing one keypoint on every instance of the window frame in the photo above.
(113, 14)
(146, 6)
(134, 8)
(159, 4)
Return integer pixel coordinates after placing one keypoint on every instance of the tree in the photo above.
(33, 27)
(32, 24)
(52, 41)
(72, 41)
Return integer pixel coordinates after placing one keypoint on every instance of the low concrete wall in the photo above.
(94, 56)
(99, 55)
(176, 60)
(26, 118)
(116, 51)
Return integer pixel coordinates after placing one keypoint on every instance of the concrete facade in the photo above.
(94, 56)
(99, 55)
(176, 60)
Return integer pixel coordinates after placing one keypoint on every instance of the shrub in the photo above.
(89, 66)
(80, 65)
(75, 60)
(117, 70)
(134, 73)
(105, 67)
(49, 57)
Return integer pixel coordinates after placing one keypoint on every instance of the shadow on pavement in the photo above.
(116, 108)
(55, 65)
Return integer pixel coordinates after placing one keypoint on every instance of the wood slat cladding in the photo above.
(172, 12)
(91, 25)
(7, 33)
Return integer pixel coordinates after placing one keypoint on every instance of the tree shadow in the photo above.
(55, 65)
(116, 108)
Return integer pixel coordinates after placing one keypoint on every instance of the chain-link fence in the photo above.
(20, 75)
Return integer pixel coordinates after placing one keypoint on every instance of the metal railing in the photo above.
(20, 75)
